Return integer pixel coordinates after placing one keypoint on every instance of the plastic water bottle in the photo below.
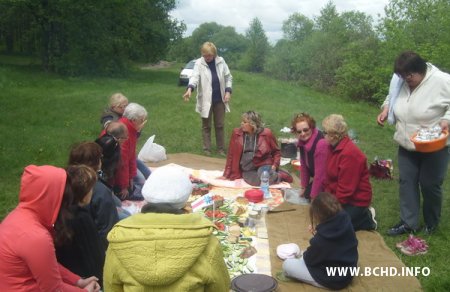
(265, 176)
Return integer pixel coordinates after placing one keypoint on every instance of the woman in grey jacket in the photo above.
(213, 81)
(422, 100)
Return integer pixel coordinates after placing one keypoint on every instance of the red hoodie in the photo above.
(27, 253)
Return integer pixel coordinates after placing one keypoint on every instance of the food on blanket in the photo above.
(218, 202)
(195, 180)
(235, 230)
(248, 252)
(254, 215)
(215, 214)
(232, 238)
(220, 225)
(201, 189)
(242, 201)
(254, 195)
(247, 232)
(238, 210)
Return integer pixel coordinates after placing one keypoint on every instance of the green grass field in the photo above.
(43, 114)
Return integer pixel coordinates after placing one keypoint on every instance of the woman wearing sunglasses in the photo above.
(313, 155)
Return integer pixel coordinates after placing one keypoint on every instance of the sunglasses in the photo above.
(306, 130)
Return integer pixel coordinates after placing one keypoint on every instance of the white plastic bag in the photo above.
(152, 152)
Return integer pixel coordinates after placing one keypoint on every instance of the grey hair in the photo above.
(254, 119)
(135, 112)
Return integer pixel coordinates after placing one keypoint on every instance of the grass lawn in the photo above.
(44, 114)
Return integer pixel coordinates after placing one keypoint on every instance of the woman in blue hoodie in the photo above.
(334, 246)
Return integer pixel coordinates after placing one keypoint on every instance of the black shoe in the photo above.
(400, 228)
(428, 230)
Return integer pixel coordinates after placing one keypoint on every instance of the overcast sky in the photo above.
(271, 13)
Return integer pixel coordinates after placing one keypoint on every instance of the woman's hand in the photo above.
(141, 125)
(187, 94)
(90, 284)
(312, 229)
(444, 125)
(383, 116)
(227, 97)
(301, 192)
(124, 193)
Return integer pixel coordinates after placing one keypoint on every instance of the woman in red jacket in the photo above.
(128, 181)
(347, 174)
(252, 150)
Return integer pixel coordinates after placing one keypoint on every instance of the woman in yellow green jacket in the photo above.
(165, 251)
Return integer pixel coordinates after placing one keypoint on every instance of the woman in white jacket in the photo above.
(423, 100)
(213, 81)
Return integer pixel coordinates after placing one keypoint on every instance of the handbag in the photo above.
(381, 169)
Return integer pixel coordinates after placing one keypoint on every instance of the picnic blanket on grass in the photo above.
(292, 226)
(208, 169)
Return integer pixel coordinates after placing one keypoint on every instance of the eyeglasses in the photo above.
(408, 75)
(120, 138)
(306, 130)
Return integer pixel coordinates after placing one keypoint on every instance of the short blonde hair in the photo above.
(208, 48)
(335, 126)
(117, 99)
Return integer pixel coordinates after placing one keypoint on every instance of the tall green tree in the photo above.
(93, 36)
(297, 27)
(229, 43)
(258, 49)
(418, 25)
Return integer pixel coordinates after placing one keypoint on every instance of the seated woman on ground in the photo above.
(252, 150)
(117, 104)
(110, 142)
(334, 244)
(128, 181)
(78, 245)
(164, 248)
(27, 252)
(102, 207)
(314, 151)
(348, 175)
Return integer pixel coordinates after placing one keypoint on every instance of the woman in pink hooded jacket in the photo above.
(27, 254)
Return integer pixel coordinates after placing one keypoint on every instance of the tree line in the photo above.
(346, 54)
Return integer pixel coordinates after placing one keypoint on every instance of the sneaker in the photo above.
(415, 246)
(372, 213)
(400, 228)
(221, 153)
(207, 152)
(428, 230)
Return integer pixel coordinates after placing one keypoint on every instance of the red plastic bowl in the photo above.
(296, 164)
(430, 146)
(254, 195)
